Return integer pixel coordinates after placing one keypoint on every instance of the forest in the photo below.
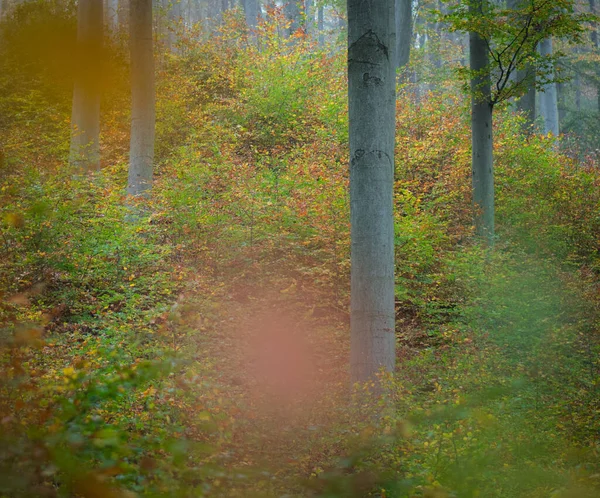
(304, 248)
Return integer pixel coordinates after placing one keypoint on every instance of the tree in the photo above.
(321, 24)
(251, 12)
(292, 13)
(526, 74)
(549, 96)
(85, 116)
(371, 98)
(596, 47)
(403, 32)
(141, 151)
(174, 16)
(502, 42)
(482, 161)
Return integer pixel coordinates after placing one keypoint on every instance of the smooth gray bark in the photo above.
(596, 45)
(403, 32)
(85, 114)
(112, 16)
(371, 99)
(292, 13)
(251, 13)
(174, 23)
(577, 91)
(549, 98)
(321, 25)
(481, 137)
(309, 17)
(141, 152)
(526, 75)
(526, 104)
(123, 15)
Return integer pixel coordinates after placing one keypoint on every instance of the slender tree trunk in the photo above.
(141, 154)
(371, 91)
(526, 104)
(403, 32)
(174, 23)
(292, 13)
(85, 116)
(577, 91)
(123, 15)
(481, 136)
(321, 25)
(549, 99)
(112, 16)
(562, 107)
(309, 17)
(251, 13)
(596, 44)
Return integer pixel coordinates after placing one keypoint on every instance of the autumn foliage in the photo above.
(133, 353)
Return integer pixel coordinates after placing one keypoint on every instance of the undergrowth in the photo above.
(128, 347)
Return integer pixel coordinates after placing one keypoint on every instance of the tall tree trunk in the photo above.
(321, 25)
(123, 15)
(596, 44)
(526, 104)
(141, 152)
(174, 23)
(309, 17)
(562, 105)
(371, 99)
(549, 99)
(112, 16)
(403, 32)
(292, 13)
(481, 135)
(577, 91)
(85, 116)
(251, 13)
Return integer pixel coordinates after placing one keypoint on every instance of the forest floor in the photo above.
(501, 400)
(507, 399)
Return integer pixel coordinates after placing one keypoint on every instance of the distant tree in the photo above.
(482, 166)
(549, 95)
(502, 41)
(371, 97)
(596, 48)
(111, 8)
(525, 74)
(174, 15)
(85, 116)
(292, 13)
(403, 32)
(141, 151)
(251, 12)
(321, 24)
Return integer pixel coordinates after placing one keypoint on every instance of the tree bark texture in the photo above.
(371, 95)
(309, 17)
(403, 32)
(481, 138)
(321, 25)
(141, 152)
(549, 98)
(251, 13)
(526, 104)
(292, 13)
(596, 44)
(85, 114)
